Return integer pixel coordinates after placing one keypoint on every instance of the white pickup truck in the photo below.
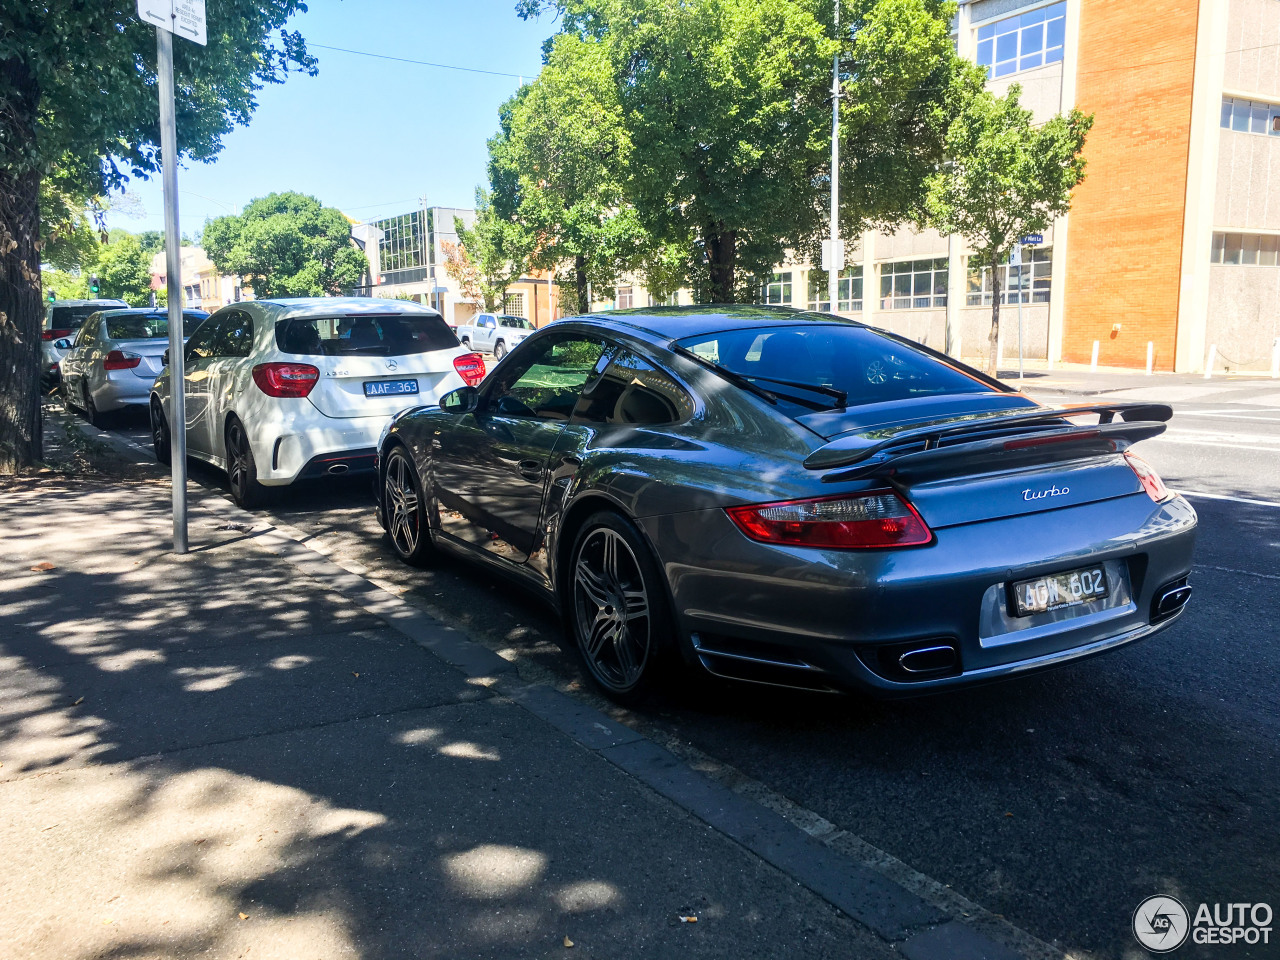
(494, 333)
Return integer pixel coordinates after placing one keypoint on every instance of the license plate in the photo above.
(389, 388)
(1071, 588)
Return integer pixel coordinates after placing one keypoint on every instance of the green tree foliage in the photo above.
(287, 244)
(497, 249)
(557, 166)
(124, 270)
(723, 107)
(64, 285)
(1006, 178)
(78, 85)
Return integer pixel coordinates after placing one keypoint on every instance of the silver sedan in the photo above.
(115, 357)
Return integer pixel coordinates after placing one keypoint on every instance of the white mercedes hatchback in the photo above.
(283, 390)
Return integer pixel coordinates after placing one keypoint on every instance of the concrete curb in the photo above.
(923, 930)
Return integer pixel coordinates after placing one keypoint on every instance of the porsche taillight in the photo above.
(1149, 479)
(864, 521)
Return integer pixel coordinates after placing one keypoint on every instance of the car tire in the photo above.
(499, 350)
(161, 444)
(67, 403)
(403, 505)
(242, 469)
(616, 613)
(466, 342)
(92, 413)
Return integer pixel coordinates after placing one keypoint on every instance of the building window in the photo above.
(913, 284)
(849, 291)
(1029, 282)
(778, 289)
(1250, 116)
(513, 303)
(670, 300)
(1023, 42)
(1246, 249)
(625, 297)
(404, 242)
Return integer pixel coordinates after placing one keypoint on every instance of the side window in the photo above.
(235, 335)
(547, 386)
(200, 343)
(87, 332)
(633, 391)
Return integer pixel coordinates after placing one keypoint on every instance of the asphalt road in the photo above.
(1059, 801)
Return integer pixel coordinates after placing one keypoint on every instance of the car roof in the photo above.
(677, 323)
(104, 302)
(150, 312)
(340, 307)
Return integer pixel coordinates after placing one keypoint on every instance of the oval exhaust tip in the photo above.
(928, 659)
(338, 468)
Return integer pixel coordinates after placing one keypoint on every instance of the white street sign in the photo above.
(1015, 255)
(185, 18)
(830, 263)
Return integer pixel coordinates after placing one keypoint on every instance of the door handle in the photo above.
(531, 470)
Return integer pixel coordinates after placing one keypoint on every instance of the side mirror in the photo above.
(462, 400)
(63, 344)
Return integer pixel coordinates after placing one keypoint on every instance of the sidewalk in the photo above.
(1078, 380)
(247, 752)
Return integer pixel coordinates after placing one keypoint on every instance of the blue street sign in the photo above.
(1031, 239)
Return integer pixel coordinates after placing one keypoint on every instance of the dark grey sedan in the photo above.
(791, 498)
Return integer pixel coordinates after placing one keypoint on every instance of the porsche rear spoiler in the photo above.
(1138, 422)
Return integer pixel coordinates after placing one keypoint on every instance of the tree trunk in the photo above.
(21, 314)
(580, 278)
(722, 252)
(993, 345)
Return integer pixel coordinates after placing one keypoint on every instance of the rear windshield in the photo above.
(382, 335)
(518, 323)
(70, 318)
(868, 367)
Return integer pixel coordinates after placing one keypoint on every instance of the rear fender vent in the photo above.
(756, 661)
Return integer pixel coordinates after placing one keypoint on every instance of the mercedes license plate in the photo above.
(1070, 588)
(389, 388)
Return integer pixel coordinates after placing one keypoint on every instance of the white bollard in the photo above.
(1093, 364)
(1151, 356)
(1275, 359)
(1213, 358)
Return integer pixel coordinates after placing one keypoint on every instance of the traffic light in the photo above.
(53, 295)
(94, 286)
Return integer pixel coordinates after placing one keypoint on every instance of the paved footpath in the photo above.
(249, 752)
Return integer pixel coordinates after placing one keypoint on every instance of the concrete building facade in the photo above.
(1174, 237)
(406, 254)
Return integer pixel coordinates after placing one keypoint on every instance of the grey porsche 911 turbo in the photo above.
(791, 498)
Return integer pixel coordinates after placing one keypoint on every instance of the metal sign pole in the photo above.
(173, 269)
(835, 262)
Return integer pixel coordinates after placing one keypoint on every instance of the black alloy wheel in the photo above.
(404, 509)
(242, 469)
(160, 443)
(617, 610)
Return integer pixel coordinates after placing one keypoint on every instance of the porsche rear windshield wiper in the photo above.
(835, 393)
(737, 379)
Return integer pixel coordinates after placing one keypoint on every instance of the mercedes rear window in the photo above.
(369, 335)
(867, 366)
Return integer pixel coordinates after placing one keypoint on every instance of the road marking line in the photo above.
(1241, 415)
(1196, 441)
(1221, 496)
(1247, 573)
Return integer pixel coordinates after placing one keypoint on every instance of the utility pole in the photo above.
(835, 256)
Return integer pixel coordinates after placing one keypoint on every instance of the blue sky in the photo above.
(367, 136)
